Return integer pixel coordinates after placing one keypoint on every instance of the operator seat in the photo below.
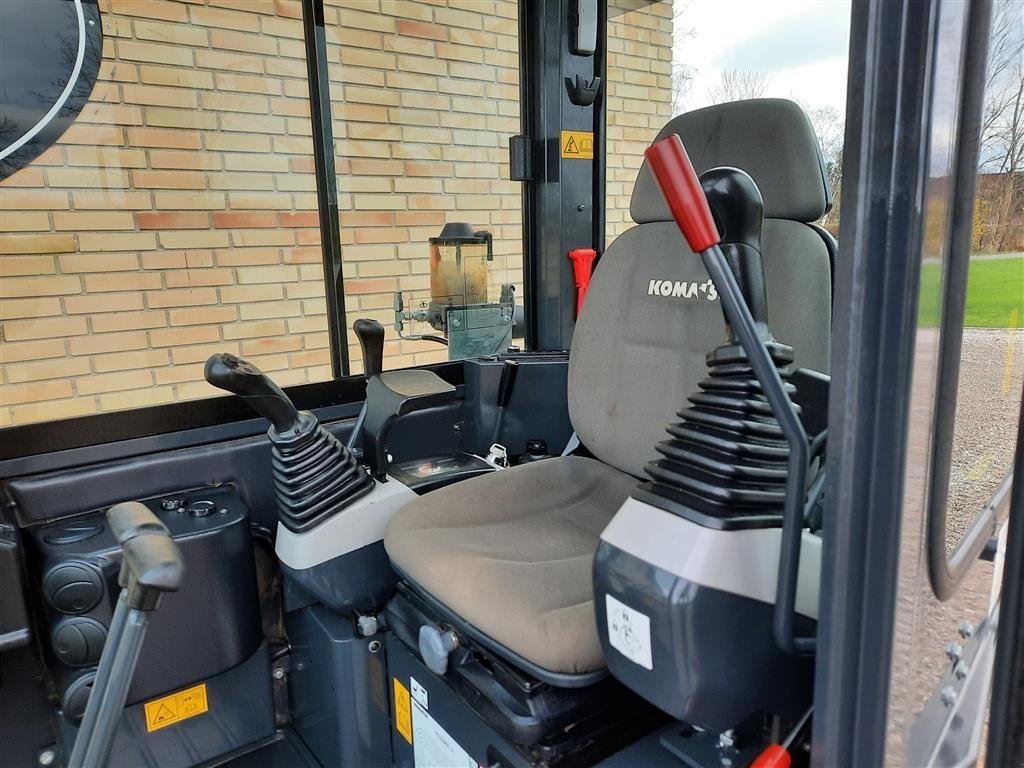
(510, 554)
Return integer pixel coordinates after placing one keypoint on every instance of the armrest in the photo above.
(393, 394)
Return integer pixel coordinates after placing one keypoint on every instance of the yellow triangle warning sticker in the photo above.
(578, 145)
(171, 709)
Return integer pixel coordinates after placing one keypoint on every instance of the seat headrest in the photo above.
(771, 139)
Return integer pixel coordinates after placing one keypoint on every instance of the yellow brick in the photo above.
(174, 201)
(180, 118)
(240, 41)
(48, 285)
(282, 27)
(11, 309)
(113, 382)
(197, 389)
(128, 321)
(47, 369)
(112, 199)
(44, 328)
(99, 343)
(177, 77)
(32, 200)
(125, 361)
(198, 277)
(139, 398)
(206, 315)
(76, 221)
(104, 302)
(117, 241)
(181, 297)
(238, 142)
(230, 60)
(60, 409)
(97, 178)
(258, 237)
(179, 337)
(169, 179)
(224, 19)
(235, 102)
(179, 373)
(270, 309)
(200, 353)
(280, 274)
(106, 157)
(13, 394)
(254, 329)
(177, 34)
(23, 221)
(242, 181)
(150, 9)
(247, 293)
(13, 352)
(122, 281)
(111, 114)
(93, 262)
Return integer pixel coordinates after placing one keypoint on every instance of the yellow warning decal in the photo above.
(578, 145)
(403, 711)
(168, 710)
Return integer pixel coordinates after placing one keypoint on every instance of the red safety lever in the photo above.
(583, 267)
(681, 188)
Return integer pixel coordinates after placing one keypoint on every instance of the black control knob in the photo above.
(78, 641)
(74, 586)
(371, 341)
(76, 696)
(240, 377)
(201, 508)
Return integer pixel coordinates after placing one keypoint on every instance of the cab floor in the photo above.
(286, 751)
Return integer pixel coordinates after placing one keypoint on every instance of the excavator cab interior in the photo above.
(651, 496)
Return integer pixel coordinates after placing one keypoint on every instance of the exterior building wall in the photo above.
(177, 216)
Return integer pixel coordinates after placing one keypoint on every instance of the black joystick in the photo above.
(240, 377)
(371, 340)
(315, 476)
(727, 459)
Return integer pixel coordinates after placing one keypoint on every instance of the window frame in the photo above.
(947, 571)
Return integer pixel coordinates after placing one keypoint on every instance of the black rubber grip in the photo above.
(509, 370)
(151, 562)
(242, 378)
(371, 340)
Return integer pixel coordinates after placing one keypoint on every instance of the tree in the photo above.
(738, 84)
(1000, 196)
(682, 73)
(830, 130)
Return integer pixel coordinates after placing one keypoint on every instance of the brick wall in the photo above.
(177, 216)
(639, 100)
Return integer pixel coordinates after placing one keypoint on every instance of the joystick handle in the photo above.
(242, 378)
(371, 340)
(673, 172)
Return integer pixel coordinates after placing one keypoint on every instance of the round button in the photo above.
(172, 505)
(78, 641)
(202, 508)
(76, 697)
(74, 586)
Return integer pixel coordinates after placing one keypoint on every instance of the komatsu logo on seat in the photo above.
(683, 289)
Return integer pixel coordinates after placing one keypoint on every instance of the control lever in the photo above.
(315, 476)
(233, 374)
(509, 370)
(151, 566)
(371, 340)
(688, 202)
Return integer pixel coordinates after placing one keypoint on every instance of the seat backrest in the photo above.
(651, 313)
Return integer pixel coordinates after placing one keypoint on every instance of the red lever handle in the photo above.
(679, 184)
(773, 756)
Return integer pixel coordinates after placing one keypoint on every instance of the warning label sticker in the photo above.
(578, 145)
(168, 710)
(629, 632)
(403, 710)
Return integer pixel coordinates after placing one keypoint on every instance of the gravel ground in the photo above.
(991, 379)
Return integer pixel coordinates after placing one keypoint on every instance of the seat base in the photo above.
(546, 722)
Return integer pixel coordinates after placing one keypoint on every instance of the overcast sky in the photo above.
(800, 44)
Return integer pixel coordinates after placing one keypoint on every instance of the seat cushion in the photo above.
(511, 553)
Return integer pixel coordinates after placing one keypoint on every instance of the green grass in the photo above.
(995, 294)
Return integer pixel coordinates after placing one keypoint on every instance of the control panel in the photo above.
(209, 626)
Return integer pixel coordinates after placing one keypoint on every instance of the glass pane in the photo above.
(425, 98)
(992, 349)
(679, 55)
(174, 218)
